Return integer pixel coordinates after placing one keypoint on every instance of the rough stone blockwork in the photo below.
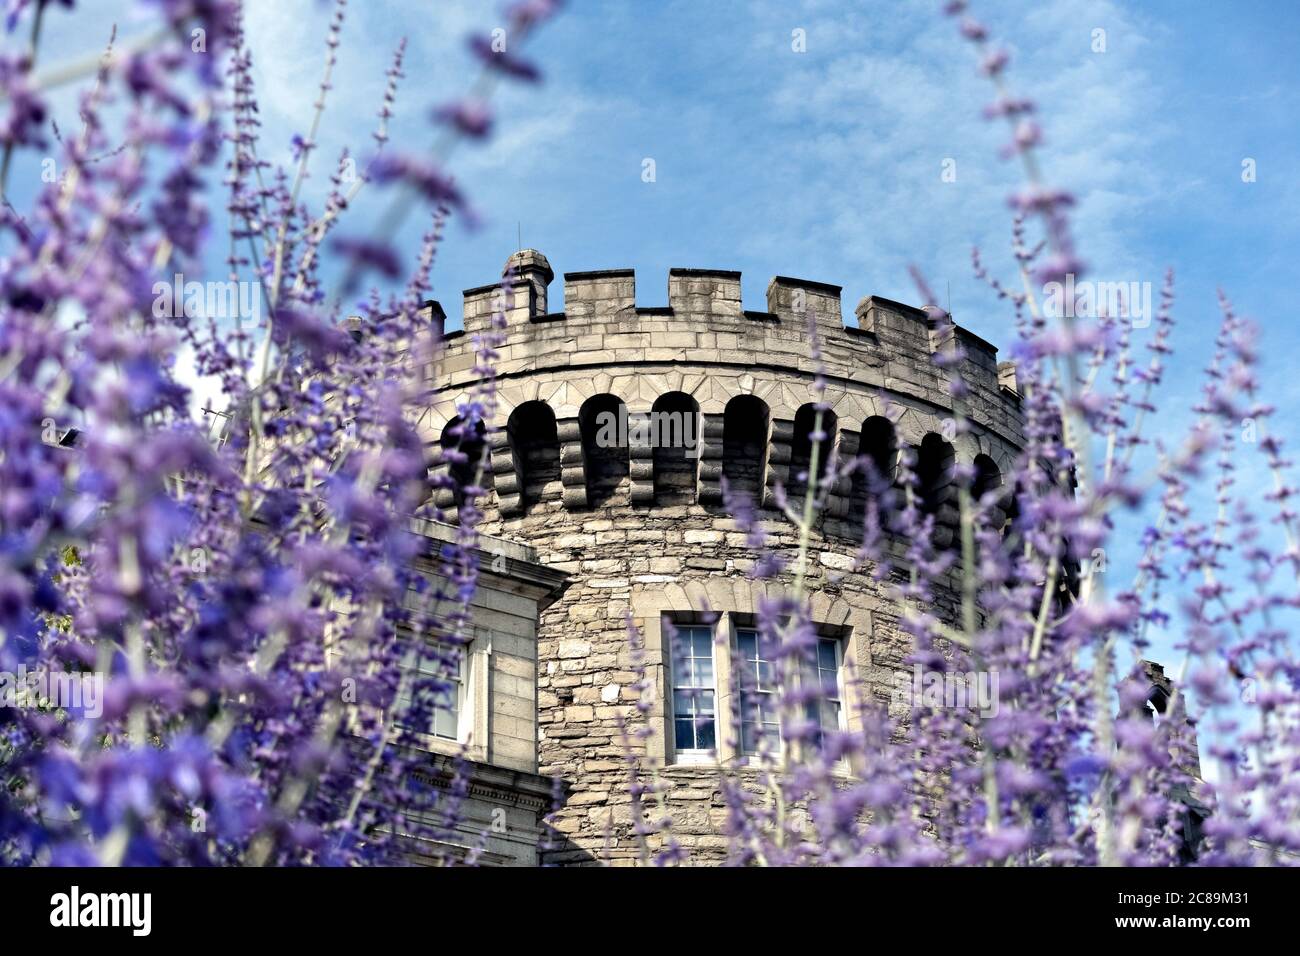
(643, 530)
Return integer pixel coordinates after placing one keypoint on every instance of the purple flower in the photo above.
(503, 61)
(425, 177)
(369, 254)
(471, 118)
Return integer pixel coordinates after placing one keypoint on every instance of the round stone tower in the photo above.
(615, 425)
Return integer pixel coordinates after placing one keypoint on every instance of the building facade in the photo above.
(482, 749)
(615, 425)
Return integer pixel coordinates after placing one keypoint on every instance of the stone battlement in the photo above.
(743, 382)
(889, 350)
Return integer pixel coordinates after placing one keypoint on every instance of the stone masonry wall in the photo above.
(636, 553)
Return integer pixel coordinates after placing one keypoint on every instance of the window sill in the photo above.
(450, 748)
(688, 761)
(750, 762)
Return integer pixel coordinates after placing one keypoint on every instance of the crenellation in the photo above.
(705, 324)
(794, 300)
(603, 294)
(437, 317)
(1007, 378)
(977, 351)
(510, 297)
(897, 326)
(704, 292)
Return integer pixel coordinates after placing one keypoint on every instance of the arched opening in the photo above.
(675, 439)
(536, 448)
(744, 445)
(805, 421)
(603, 423)
(938, 493)
(878, 446)
(464, 453)
(1157, 702)
(988, 479)
(874, 476)
(1011, 506)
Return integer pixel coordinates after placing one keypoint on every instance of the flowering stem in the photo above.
(33, 46)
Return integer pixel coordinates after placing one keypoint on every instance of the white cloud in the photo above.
(205, 390)
(880, 112)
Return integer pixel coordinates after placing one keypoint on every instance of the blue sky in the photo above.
(827, 164)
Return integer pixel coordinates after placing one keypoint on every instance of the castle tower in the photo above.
(615, 425)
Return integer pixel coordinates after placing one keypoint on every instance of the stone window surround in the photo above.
(726, 601)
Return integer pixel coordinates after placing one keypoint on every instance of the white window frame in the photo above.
(781, 750)
(464, 696)
(739, 661)
(693, 755)
(655, 606)
(838, 644)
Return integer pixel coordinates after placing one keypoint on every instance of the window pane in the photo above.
(685, 739)
(693, 688)
(759, 701)
(704, 731)
(830, 715)
(436, 674)
(444, 723)
(681, 669)
(826, 654)
(830, 684)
